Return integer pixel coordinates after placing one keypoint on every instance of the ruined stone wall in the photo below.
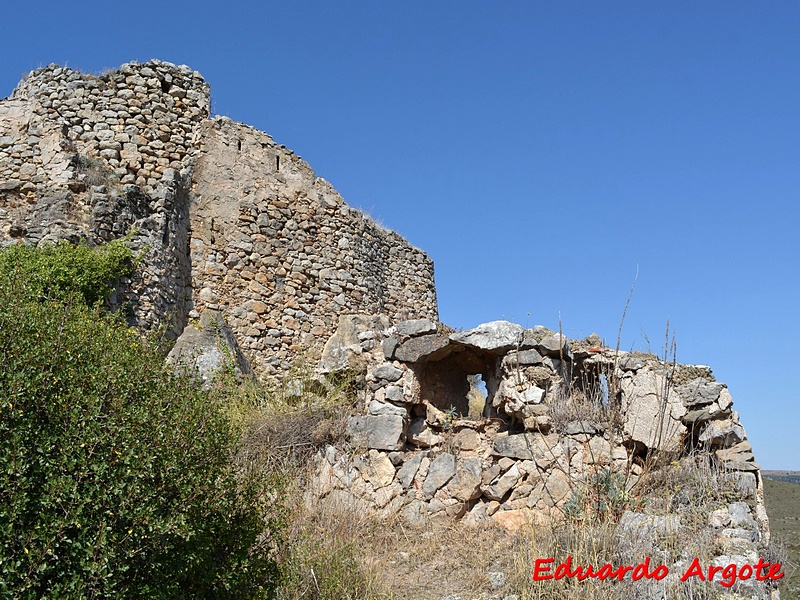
(568, 429)
(96, 158)
(279, 251)
(226, 218)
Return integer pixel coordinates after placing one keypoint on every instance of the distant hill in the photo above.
(787, 476)
(783, 508)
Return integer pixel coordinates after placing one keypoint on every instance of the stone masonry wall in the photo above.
(279, 251)
(567, 429)
(226, 218)
(95, 158)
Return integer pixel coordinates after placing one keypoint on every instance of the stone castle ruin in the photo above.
(238, 237)
(228, 220)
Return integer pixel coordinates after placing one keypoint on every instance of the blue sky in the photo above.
(541, 153)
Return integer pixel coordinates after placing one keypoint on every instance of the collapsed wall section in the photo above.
(568, 429)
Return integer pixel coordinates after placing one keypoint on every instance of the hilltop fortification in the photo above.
(227, 219)
(245, 252)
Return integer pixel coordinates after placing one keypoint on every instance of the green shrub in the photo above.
(63, 269)
(115, 477)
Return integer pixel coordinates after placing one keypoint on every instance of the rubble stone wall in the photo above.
(226, 218)
(280, 252)
(567, 428)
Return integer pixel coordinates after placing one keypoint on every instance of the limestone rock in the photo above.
(465, 485)
(394, 393)
(522, 358)
(344, 346)
(557, 488)
(723, 433)
(388, 373)
(555, 345)
(738, 457)
(382, 432)
(498, 489)
(208, 349)
(630, 362)
(382, 408)
(441, 470)
(741, 517)
(699, 392)
(543, 449)
(643, 530)
(579, 427)
(406, 473)
(496, 337)
(377, 469)
(416, 327)
(421, 435)
(423, 349)
(467, 439)
(652, 410)
(719, 518)
(514, 520)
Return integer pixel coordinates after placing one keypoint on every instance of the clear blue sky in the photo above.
(539, 152)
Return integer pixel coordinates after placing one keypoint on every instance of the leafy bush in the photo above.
(63, 269)
(115, 477)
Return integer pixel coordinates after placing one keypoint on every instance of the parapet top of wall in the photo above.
(55, 82)
(252, 165)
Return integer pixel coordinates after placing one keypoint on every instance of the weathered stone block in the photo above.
(496, 337)
(466, 483)
(416, 327)
(441, 470)
(543, 449)
(382, 432)
(423, 349)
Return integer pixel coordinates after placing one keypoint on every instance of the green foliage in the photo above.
(64, 269)
(115, 478)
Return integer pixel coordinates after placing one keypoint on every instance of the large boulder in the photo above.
(208, 348)
(381, 432)
(652, 410)
(496, 337)
(427, 348)
(344, 348)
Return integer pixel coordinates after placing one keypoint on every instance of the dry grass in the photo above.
(343, 552)
(330, 551)
(336, 552)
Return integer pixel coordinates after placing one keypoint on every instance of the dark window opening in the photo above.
(459, 384)
(239, 145)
